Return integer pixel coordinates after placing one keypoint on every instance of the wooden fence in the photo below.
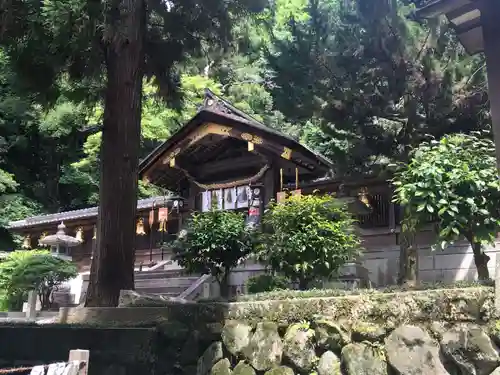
(77, 364)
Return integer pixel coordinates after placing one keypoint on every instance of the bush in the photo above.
(322, 293)
(267, 283)
(214, 242)
(308, 237)
(38, 270)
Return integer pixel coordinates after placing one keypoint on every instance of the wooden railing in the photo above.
(77, 364)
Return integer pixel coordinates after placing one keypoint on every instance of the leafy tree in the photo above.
(456, 181)
(308, 237)
(214, 242)
(23, 271)
(120, 43)
(373, 82)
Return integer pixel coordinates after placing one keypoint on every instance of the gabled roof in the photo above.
(219, 111)
(85, 213)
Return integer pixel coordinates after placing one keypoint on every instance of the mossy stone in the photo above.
(299, 347)
(265, 348)
(282, 370)
(330, 335)
(236, 336)
(471, 349)
(364, 331)
(361, 359)
(223, 367)
(243, 368)
(210, 357)
(329, 364)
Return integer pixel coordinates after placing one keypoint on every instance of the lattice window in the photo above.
(379, 215)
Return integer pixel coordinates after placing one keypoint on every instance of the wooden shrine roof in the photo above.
(85, 213)
(231, 128)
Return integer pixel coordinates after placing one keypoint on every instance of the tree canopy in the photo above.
(456, 181)
(360, 81)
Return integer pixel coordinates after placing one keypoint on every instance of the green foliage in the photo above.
(277, 295)
(22, 271)
(214, 242)
(456, 181)
(371, 80)
(266, 283)
(308, 237)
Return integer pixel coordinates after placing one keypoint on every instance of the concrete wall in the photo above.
(455, 263)
(380, 257)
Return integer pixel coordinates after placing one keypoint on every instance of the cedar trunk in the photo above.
(113, 264)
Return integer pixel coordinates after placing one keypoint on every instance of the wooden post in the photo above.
(81, 356)
(490, 14)
(31, 305)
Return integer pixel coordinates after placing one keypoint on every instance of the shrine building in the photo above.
(226, 159)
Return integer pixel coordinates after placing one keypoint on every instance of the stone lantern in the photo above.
(60, 242)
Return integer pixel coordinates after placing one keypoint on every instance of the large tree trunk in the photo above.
(113, 264)
(481, 261)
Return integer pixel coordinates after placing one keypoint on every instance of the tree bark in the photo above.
(224, 284)
(408, 259)
(481, 261)
(303, 283)
(113, 264)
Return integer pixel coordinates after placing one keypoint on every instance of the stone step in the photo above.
(170, 292)
(179, 281)
(157, 274)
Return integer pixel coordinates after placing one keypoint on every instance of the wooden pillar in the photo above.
(271, 184)
(490, 16)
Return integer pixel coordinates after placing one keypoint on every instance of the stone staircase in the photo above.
(164, 282)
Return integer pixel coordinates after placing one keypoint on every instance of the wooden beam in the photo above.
(228, 164)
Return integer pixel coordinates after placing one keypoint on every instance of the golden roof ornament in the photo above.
(40, 240)
(139, 229)
(26, 242)
(363, 197)
(79, 234)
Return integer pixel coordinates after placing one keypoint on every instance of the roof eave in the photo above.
(211, 115)
(439, 7)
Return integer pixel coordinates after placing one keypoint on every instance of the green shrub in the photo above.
(38, 270)
(321, 293)
(213, 243)
(267, 283)
(308, 237)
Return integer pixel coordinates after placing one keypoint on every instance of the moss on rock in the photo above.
(299, 347)
(365, 331)
(329, 364)
(281, 370)
(223, 367)
(265, 348)
(243, 368)
(361, 359)
(236, 336)
(210, 357)
(330, 335)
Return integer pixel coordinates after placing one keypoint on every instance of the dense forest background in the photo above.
(359, 83)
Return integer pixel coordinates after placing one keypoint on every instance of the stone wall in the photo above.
(452, 305)
(432, 332)
(327, 347)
